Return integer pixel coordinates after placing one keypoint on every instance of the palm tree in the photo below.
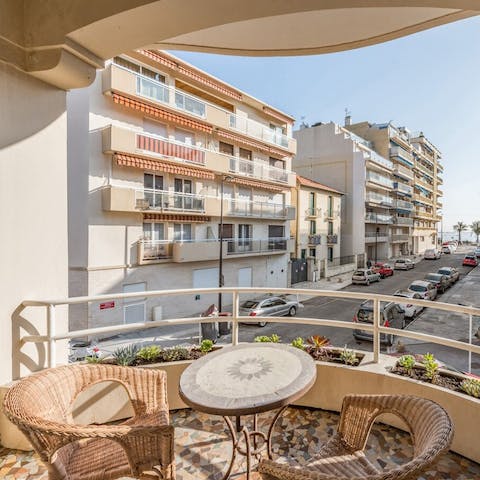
(475, 227)
(460, 227)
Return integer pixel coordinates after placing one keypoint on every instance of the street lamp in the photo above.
(377, 231)
(223, 328)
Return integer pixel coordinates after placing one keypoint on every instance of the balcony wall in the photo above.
(197, 251)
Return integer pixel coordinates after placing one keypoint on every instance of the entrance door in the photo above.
(299, 270)
(134, 309)
(228, 235)
(244, 238)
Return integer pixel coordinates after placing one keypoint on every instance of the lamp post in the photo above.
(223, 328)
(377, 231)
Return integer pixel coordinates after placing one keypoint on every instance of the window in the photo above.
(157, 128)
(154, 231)
(153, 190)
(311, 202)
(276, 234)
(330, 228)
(313, 227)
(330, 206)
(182, 232)
(330, 254)
(183, 194)
(303, 253)
(246, 154)
(277, 163)
(245, 237)
(245, 166)
(133, 67)
(184, 136)
(313, 252)
(226, 148)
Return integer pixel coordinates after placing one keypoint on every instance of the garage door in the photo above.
(206, 278)
(134, 309)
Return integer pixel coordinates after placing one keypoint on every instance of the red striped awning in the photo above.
(157, 165)
(175, 217)
(161, 113)
(261, 185)
(251, 143)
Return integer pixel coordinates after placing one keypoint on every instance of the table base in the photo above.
(251, 439)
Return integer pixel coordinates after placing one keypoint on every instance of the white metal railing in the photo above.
(403, 188)
(252, 208)
(398, 151)
(376, 158)
(378, 218)
(52, 336)
(154, 90)
(165, 200)
(402, 204)
(406, 172)
(380, 179)
(374, 197)
(253, 169)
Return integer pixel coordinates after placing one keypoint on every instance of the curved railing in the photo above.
(376, 328)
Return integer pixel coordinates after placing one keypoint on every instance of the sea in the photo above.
(467, 236)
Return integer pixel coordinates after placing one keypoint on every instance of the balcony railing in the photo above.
(403, 221)
(371, 217)
(379, 160)
(424, 184)
(247, 208)
(379, 179)
(258, 130)
(313, 212)
(332, 239)
(423, 199)
(424, 169)
(399, 238)
(372, 237)
(253, 169)
(164, 200)
(402, 153)
(404, 172)
(401, 187)
(248, 245)
(423, 213)
(403, 205)
(315, 239)
(151, 250)
(373, 197)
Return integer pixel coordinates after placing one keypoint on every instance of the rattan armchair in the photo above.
(342, 457)
(40, 405)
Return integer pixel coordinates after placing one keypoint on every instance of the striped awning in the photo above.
(157, 165)
(261, 185)
(161, 113)
(175, 217)
(251, 143)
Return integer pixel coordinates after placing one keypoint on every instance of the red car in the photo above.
(470, 261)
(384, 269)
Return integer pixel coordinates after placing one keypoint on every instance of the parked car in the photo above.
(384, 269)
(365, 276)
(470, 260)
(447, 249)
(431, 254)
(477, 252)
(269, 307)
(427, 290)
(392, 315)
(453, 244)
(403, 264)
(439, 280)
(411, 311)
(451, 272)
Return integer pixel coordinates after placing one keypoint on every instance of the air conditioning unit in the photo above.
(157, 313)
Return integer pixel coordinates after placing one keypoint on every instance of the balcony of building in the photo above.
(439, 192)
(257, 209)
(376, 161)
(372, 217)
(402, 188)
(315, 239)
(118, 79)
(403, 172)
(399, 238)
(313, 212)
(379, 181)
(421, 182)
(403, 221)
(427, 170)
(371, 236)
(401, 155)
(127, 141)
(332, 239)
(403, 205)
(378, 199)
(423, 199)
(420, 213)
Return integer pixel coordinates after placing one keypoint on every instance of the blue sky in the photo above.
(429, 81)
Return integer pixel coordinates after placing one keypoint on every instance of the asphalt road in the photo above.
(429, 321)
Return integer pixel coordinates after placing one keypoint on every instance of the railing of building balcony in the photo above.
(315, 239)
(165, 200)
(380, 179)
(356, 138)
(154, 90)
(376, 328)
(338, 261)
(401, 187)
(378, 159)
(248, 208)
(398, 151)
(313, 212)
(372, 217)
(371, 237)
(374, 197)
(423, 199)
(154, 250)
(424, 184)
(332, 239)
(424, 169)
(249, 245)
(253, 169)
(403, 221)
(399, 238)
(405, 172)
(403, 205)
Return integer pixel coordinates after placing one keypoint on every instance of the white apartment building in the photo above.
(330, 154)
(316, 230)
(159, 153)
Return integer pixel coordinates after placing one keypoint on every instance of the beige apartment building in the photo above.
(161, 153)
(316, 231)
(417, 177)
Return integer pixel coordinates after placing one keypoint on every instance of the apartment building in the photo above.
(316, 230)
(333, 155)
(160, 155)
(417, 176)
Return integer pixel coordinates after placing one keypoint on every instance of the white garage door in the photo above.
(245, 277)
(134, 309)
(205, 278)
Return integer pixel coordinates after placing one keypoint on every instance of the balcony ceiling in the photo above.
(64, 42)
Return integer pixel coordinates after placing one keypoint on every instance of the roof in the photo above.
(307, 182)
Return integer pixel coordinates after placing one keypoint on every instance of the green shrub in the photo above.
(93, 359)
(126, 355)
(471, 386)
(318, 341)
(298, 343)
(348, 357)
(274, 338)
(407, 362)
(431, 367)
(150, 353)
(175, 354)
(206, 346)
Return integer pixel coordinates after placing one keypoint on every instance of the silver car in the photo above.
(269, 307)
(427, 290)
(403, 264)
(365, 276)
(411, 311)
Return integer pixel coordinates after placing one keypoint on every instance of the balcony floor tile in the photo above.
(202, 447)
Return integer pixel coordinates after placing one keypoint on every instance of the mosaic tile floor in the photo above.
(203, 447)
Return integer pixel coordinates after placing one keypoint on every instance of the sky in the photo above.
(429, 82)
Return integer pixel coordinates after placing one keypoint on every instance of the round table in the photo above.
(247, 379)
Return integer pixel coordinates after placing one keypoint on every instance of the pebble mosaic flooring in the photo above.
(203, 447)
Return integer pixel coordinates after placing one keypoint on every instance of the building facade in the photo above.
(162, 154)
(316, 229)
(417, 177)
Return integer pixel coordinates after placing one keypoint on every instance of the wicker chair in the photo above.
(40, 405)
(342, 457)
